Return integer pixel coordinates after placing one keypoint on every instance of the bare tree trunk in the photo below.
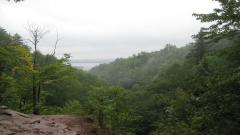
(100, 119)
(55, 45)
(34, 90)
(20, 104)
(39, 92)
(101, 116)
(24, 101)
(36, 34)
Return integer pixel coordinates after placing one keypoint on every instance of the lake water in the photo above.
(87, 64)
(84, 65)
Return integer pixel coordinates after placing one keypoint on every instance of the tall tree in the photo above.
(36, 34)
(226, 19)
(198, 49)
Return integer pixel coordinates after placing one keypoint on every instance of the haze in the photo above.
(106, 29)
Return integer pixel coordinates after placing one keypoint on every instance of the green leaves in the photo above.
(109, 108)
(15, 72)
(226, 20)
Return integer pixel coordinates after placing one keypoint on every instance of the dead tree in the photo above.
(46, 63)
(54, 49)
(55, 45)
(36, 34)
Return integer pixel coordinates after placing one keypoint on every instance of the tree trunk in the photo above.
(20, 104)
(35, 110)
(101, 119)
(34, 90)
(38, 95)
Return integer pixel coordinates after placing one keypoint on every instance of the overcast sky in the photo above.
(102, 29)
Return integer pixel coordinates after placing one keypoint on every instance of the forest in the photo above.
(189, 90)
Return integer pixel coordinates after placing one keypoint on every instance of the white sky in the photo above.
(102, 29)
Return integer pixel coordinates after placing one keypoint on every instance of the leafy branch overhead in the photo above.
(225, 20)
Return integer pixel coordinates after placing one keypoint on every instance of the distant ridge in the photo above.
(140, 69)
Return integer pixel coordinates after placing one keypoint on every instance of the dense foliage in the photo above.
(196, 96)
(140, 69)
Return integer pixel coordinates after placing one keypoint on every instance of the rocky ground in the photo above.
(15, 123)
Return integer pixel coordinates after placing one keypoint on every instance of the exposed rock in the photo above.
(35, 122)
(5, 112)
(23, 115)
(3, 107)
(15, 123)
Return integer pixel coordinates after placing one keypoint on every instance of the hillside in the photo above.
(140, 69)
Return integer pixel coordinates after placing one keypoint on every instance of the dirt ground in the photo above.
(15, 123)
